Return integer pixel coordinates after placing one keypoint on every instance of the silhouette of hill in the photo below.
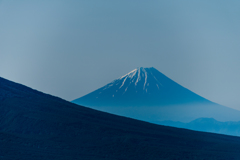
(207, 125)
(146, 94)
(37, 126)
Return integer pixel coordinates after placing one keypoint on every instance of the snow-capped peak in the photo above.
(139, 78)
(144, 85)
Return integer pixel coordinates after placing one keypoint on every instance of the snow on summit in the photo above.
(136, 75)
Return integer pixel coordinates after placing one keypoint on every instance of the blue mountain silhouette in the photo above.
(147, 94)
(208, 125)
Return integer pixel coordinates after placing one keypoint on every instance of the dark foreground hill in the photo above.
(36, 126)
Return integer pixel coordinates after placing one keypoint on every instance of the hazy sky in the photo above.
(69, 48)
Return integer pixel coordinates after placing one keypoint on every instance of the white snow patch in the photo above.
(125, 90)
(131, 75)
(108, 86)
(138, 78)
(145, 78)
(123, 82)
(128, 73)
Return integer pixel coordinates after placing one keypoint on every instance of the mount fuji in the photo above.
(147, 94)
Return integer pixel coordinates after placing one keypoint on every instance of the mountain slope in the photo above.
(37, 126)
(146, 94)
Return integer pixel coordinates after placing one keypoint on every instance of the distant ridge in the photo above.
(147, 94)
(207, 125)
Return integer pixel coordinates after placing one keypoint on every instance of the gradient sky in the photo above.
(69, 48)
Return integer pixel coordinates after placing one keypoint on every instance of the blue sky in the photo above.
(69, 48)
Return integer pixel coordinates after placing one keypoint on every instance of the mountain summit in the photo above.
(141, 87)
(147, 94)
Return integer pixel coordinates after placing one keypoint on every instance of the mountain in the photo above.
(207, 125)
(146, 94)
(34, 125)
